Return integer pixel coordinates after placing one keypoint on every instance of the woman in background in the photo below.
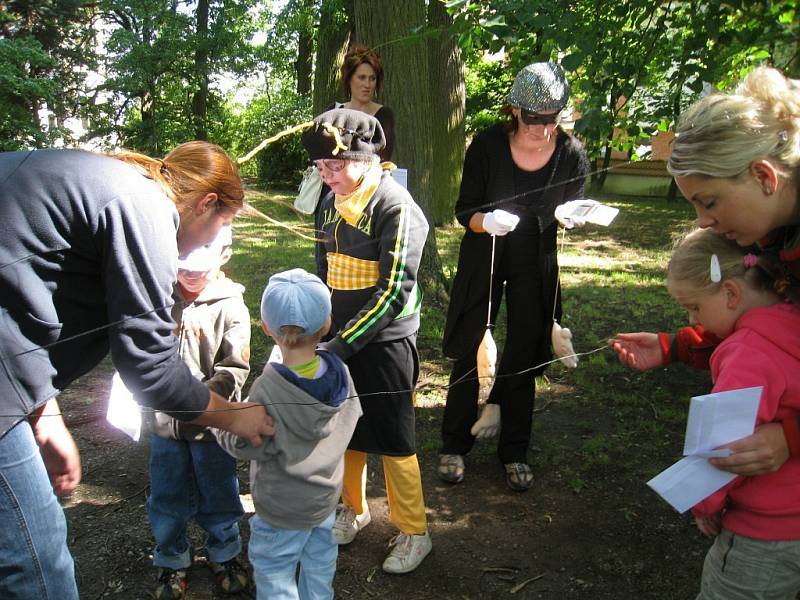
(362, 76)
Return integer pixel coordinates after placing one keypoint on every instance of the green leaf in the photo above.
(572, 61)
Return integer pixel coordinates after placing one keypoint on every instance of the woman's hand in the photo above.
(248, 420)
(763, 452)
(59, 452)
(710, 526)
(637, 350)
(499, 222)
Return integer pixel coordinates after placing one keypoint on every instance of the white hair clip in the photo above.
(783, 135)
(716, 272)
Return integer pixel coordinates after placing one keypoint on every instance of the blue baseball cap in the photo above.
(295, 297)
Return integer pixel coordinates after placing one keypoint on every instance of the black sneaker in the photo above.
(171, 584)
(230, 575)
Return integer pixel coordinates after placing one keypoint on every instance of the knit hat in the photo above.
(344, 133)
(540, 88)
(206, 258)
(298, 298)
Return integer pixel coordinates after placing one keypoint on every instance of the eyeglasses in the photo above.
(332, 164)
(532, 118)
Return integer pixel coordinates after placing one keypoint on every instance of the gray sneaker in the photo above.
(451, 468)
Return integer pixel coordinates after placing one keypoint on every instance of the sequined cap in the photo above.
(540, 87)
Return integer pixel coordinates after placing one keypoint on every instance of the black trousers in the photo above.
(515, 393)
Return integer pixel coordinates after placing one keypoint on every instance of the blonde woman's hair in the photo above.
(722, 134)
(690, 266)
(191, 171)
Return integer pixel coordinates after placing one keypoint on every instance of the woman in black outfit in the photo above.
(515, 174)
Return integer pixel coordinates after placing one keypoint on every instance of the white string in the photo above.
(148, 410)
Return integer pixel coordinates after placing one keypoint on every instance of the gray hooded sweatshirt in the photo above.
(296, 474)
(214, 342)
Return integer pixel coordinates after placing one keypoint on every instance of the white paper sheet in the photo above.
(714, 419)
(592, 211)
(717, 419)
(123, 411)
(689, 481)
(400, 176)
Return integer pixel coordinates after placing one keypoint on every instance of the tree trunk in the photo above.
(200, 98)
(448, 98)
(386, 26)
(149, 137)
(304, 63)
(334, 35)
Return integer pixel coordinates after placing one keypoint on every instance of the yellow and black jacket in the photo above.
(371, 267)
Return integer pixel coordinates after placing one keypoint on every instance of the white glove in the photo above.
(488, 425)
(499, 222)
(573, 213)
(561, 337)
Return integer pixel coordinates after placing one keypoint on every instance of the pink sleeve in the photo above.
(735, 366)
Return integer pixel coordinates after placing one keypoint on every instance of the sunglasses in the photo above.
(532, 118)
(332, 164)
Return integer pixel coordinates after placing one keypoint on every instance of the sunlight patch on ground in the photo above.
(589, 261)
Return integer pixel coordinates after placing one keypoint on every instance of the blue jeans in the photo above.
(274, 554)
(192, 480)
(35, 563)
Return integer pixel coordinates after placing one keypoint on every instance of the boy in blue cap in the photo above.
(296, 474)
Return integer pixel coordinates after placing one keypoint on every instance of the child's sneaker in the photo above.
(348, 524)
(230, 575)
(171, 584)
(408, 552)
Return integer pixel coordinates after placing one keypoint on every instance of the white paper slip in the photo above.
(717, 419)
(400, 176)
(123, 411)
(594, 212)
(689, 481)
(276, 356)
(714, 420)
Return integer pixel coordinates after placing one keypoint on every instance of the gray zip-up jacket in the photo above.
(88, 256)
(296, 474)
(214, 341)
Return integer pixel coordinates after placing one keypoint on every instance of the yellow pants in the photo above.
(403, 489)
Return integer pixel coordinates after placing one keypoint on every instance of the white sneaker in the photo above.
(408, 552)
(348, 524)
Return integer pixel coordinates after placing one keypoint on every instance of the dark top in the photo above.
(489, 182)
(88, 258)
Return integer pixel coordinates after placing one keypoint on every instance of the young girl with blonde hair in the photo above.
(755, 520)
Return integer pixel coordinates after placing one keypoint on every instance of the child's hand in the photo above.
(710, 526)
(637, 350)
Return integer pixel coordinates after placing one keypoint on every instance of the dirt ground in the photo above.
(588, 529)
